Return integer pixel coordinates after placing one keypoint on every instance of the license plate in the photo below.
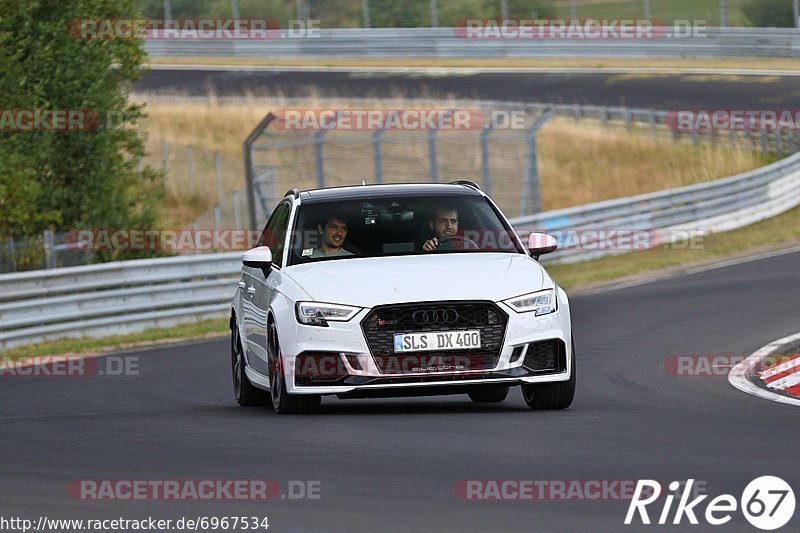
(435, 341)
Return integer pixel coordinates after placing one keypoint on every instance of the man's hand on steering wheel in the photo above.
(432, 244)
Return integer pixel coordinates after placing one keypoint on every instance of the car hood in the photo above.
(367, 282)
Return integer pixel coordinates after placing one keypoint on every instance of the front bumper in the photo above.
(356, 369)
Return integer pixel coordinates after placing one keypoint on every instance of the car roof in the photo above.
(355, 192)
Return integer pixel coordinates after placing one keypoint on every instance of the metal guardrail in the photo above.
(669, 216)
(114, 298)
(444, 43)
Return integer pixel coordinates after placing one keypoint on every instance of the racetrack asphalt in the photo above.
(657, 91)
(391, 464)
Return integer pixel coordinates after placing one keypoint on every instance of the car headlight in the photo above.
(319, 314)
(541, 302)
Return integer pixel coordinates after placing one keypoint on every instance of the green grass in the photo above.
(201, 329)
(665, 10)
(779, 231)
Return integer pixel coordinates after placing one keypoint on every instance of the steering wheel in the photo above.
(466, 244)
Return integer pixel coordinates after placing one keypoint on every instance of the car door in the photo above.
(256, 295)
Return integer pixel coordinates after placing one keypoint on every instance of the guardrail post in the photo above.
(652, 120)
(604, 116)
(319, 138)
(47, 240)
(485, 170)
(376, 155)
(530, 183)
(695, 138)
(732, 138)
(764, 142)
(779, 142)
(790, 141)
(628, 119)
(432, 163)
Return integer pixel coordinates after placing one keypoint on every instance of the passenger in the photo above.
(334, 234)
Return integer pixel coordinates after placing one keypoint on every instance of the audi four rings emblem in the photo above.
(435, 316)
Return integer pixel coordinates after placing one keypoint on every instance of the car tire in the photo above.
(558, 395)
(244, 391)
(283, 402)
(488, 394)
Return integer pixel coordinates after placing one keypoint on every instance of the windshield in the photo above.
(387, 226)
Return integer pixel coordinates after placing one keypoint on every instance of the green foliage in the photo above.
(769, 13)
(71, 179)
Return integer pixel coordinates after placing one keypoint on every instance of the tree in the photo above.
(769, 13)
(72, 179)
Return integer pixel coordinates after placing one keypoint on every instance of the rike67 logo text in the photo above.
(767, 503)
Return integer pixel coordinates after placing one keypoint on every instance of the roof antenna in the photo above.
(363, 182)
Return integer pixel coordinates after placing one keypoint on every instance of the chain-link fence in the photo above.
(501, 159)
(500, 155)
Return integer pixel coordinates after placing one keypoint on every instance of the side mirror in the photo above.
(541, 243)
(260, 257)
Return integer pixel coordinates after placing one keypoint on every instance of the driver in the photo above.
(444, 223)
(334, 233)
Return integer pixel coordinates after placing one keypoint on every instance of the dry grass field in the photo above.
(579, 162)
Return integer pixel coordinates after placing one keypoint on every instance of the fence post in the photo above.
(432, 163)
(764, 142)
(164, 156)
(12, 253)
(237, 211)
(319, 138)
(790, 141)
(190, 164)
(604, 116)
(195, 228)
(530, 182)
(217, 217)
(47, 240)
(652, 120)
(628, 119)
(487, 176)
(376, 155)
(218, 169)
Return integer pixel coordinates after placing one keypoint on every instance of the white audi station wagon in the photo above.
(398, 290)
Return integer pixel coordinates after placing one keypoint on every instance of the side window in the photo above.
(274, 234)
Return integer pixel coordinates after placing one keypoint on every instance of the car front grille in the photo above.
(383, 322)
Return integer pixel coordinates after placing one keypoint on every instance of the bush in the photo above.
(769, 13)
(71, 179)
